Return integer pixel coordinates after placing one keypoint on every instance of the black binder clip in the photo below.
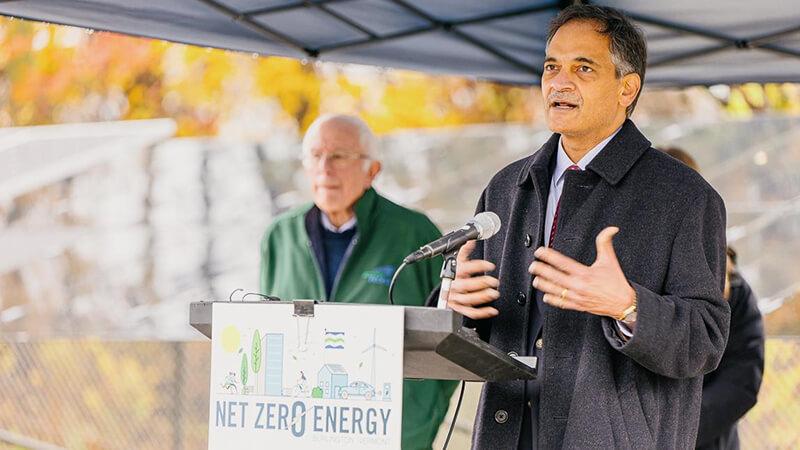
(303, 308)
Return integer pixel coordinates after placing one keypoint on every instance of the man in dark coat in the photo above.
(623, 331)
(731, 390)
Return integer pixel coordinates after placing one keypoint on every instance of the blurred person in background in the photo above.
(346, 245)
(732, 389)
(683, 157)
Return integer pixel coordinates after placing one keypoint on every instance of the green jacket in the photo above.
(386, 233)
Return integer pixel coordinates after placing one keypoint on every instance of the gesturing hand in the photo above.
(599, 289)
(470, 293)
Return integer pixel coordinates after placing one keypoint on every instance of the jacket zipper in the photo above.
(343, 264)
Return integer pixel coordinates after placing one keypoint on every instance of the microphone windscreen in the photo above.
(487, 223)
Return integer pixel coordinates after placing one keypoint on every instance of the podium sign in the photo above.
(327, 377)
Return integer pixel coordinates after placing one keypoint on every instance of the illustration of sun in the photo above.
(230, 339)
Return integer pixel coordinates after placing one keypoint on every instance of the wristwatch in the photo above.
(629, 315)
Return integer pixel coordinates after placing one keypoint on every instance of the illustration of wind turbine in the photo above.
(372, 348)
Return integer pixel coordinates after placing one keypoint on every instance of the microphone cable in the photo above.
(455, 415)
(394, 278)
(263, 296)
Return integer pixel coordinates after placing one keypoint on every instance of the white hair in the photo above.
(365, 136)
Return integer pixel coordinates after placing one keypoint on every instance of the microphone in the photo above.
(480, 227)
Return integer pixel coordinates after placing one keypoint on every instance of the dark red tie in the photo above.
(558, 207)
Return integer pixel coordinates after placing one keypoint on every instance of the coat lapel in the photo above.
(620, 154)
(536, 174)
(588, 192)
(526, 221)
(579, 194)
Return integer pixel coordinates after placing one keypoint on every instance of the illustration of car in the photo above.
(357, 389)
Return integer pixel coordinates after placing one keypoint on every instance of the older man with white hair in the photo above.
(346, 245)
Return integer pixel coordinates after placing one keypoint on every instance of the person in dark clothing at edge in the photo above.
(345, 246)
(731, 390)
(609, 269)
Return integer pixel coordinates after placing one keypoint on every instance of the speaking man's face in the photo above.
(582, 94)
(338, 168)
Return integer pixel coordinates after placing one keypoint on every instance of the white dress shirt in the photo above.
(328, 225)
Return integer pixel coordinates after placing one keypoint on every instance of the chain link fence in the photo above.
(93, 394)
(773, 422)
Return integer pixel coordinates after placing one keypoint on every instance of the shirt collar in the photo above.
(328, 225)
(563, 162)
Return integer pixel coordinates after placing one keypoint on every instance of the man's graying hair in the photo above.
(365, 136)
(628, 47)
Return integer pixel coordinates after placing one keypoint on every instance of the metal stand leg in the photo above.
(447, 275)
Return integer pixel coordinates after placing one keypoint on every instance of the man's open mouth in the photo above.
(563, 105)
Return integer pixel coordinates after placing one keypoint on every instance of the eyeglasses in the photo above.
(338, 160)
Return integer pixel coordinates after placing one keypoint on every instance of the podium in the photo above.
(436, 345)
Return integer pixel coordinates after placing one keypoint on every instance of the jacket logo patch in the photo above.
(379, 275)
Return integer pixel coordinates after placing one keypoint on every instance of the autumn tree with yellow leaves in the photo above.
(56, 74)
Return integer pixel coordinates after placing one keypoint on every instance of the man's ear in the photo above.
(631, 85)
(373, 171)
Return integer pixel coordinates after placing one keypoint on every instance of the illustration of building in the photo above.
(331, 378)
(273, 370)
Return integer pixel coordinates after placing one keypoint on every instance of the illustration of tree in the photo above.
(244, 370)
(255, 355)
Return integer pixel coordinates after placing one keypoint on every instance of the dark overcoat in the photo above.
(598, 391)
